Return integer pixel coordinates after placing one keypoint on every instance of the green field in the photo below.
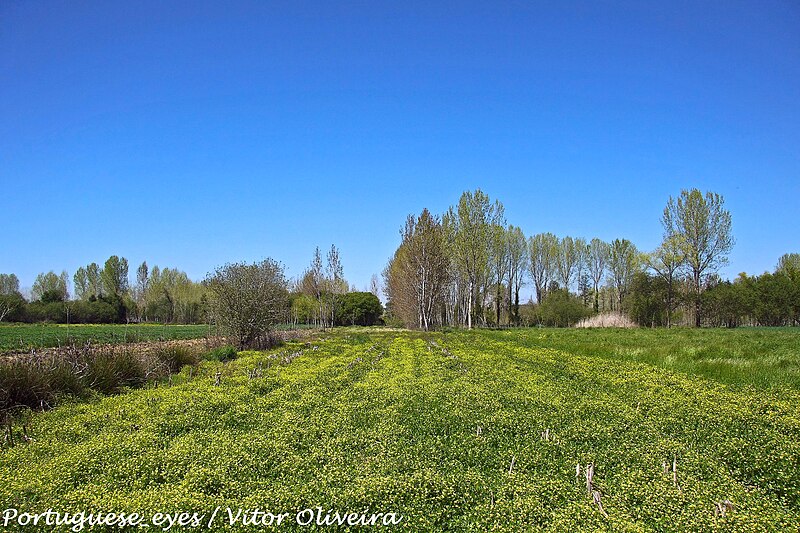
(26, 336)
(458, 431)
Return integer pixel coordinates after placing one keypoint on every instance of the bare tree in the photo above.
(312, 284)
(417, 273)
(375, 285)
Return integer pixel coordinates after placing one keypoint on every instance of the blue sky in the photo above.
(193, 134)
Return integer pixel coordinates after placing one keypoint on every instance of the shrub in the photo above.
(109, 370)
(612, 319)
(222, 354)
(248, 300)
(23, 384)
(360, 309)
(561, 309)
(176, 357)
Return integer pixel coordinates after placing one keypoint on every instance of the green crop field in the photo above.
(455, 431)
(27, 336)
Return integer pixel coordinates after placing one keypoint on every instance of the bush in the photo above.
(359, 309)
(22, 384)
(248, 300)
(222, 354)
(109, 371)
(176, 357)
(612, 319)
(561, 309)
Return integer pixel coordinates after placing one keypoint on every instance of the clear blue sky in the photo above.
(192, 134)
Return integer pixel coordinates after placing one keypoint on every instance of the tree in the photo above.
(140, 289)
(11, 306)
(51, 285)
(247, 300)
(114, 276)
(518, 264)
(561, 309)
(644, 303)
(417, 273)
(9, 284)
(10, 298)
(334, 284)
(470, 224)
(702, 227)
(312, 284)
(788, 264)
(80, 282)
(623, 262)
(596, 260)
(665, 261)
(94, 281)
(543, 249)
(567, 260)
(499, 262)
(375, 286)
(360, 309)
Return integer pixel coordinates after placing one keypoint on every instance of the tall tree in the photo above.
(335, 284)
(788, 264)
(471, 221)
(597, 258)
(543, 249)
(312, 284)
(80, 282)
(94, 280)
(665, 261)
(518, 264)
(114, 276)
(375, 286)
(140, 289)
(51, 286)
(499, 258)
(567, 260)
(702, 227)
(417, 273)
(9, 284)
(624, 261)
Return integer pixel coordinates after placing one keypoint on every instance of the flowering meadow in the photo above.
(447, 431)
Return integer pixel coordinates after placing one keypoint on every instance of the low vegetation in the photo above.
(512, 430)
(41, 381)
(24, 337)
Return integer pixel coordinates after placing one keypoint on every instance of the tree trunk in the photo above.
(470, 299)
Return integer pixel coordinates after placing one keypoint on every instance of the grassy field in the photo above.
(459, 431)
(760, 357)
(27, 336)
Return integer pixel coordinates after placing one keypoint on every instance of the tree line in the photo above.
(463, 268)
(467, 267)
(105, 295)
(321, 296)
